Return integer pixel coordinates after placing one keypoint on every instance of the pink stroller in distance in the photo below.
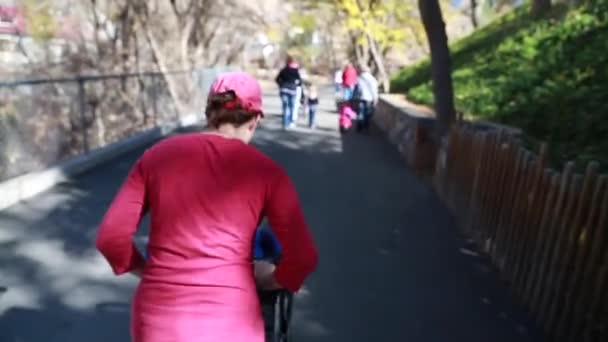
(346, 117)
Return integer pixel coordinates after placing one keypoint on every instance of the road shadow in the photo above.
(55, 322)
(55, 285)
(434, 288)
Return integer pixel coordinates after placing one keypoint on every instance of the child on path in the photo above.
(312, 102)
(346, 116)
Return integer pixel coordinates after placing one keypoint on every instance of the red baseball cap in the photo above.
(246, 88)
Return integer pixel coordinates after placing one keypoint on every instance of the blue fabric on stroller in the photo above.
(276, 304)
(266, 246)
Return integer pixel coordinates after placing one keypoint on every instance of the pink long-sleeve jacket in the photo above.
(349, 76)
(206, 194)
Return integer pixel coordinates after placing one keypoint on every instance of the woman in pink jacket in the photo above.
(206, 194)
(349, 80)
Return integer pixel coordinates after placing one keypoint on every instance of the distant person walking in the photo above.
(289, 82)
(349, 79)
(338, 80)
(366, 97)
(312, 102)
(298, 104)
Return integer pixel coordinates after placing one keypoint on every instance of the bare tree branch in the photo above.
(181, 14)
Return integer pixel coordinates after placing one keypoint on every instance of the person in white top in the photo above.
(366, 95)
(338, 79)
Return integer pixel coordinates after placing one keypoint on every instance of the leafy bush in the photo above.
(548, 76)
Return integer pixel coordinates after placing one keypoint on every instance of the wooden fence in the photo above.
(545, 230)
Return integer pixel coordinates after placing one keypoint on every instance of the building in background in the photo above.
(73, 29)
(12, 29)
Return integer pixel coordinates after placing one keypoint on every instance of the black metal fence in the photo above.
(45, 121)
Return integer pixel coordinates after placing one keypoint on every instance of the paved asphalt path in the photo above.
(392, 265)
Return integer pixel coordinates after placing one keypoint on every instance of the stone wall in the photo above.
(410, 129)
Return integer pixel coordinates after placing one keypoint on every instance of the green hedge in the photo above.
(548, 76)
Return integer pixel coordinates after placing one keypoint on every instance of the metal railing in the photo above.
(46, 121)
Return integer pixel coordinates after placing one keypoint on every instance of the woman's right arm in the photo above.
(286, 219)
(119, 225)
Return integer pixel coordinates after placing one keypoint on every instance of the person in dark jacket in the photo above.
(289, 81)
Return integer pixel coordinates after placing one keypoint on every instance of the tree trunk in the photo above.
(373, 49)
(379, 62)
(184, 44)
(358, 52)
(540, 7)
(474, 20)
(160, 60)
(441, 72)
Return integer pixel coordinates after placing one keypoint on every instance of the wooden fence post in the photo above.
(577, 277)
(493, 172)
(530, 220)
(549, 289)
(513, 237)
(594, 280)
(562, 206)
(476, 167)
(485, 173)
(571, 245)
(502, 228)
(506, 151)
(544, 234)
